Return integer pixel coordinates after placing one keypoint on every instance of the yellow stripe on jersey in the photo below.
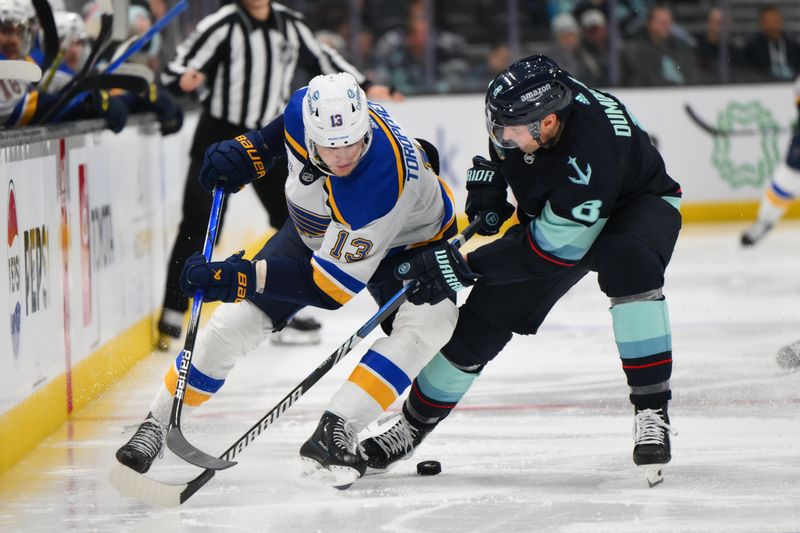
(330, 286)
(395, 147)
(294, 144)
(373, 385)
(337, 215)
(31, 103)
(190, 396)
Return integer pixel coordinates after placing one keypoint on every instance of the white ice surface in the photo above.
(541, 443)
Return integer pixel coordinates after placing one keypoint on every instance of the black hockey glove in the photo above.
(170, 114)
(486, 196)
(231, 280)
(236, 162)
(110, 108)
(440, 271)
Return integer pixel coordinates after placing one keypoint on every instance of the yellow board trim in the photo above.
(25, 425)
(737, 211)
(372, 385)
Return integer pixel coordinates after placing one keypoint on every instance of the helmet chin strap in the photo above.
(536, 133)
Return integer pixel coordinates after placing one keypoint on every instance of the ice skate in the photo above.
(789, 356)
(397, 441)
(300, 331)
(756, 232)
(332, 454)
(146, 444)
(651, 448)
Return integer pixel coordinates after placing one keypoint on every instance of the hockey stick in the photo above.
(132, 49)
(716, 132)
(125, 82)
(106, 23)
(146, 489)
(18, 69)
(175, 439)
(47, 78)
(135, 69)
(51, 45)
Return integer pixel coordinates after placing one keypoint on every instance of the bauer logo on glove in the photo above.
(231, 280)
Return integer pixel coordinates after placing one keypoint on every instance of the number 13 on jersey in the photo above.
(360, 246)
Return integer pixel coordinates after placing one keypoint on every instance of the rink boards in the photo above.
(87, 219)
(85, 226)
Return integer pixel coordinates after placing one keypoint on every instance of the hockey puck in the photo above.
(429, 468)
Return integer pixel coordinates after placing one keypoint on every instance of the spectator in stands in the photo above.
(630, 13)
(709, 46)
(595, 41)
(497, 59)
(658, 58)
(568, 51)
(772, 53)
(401, 55)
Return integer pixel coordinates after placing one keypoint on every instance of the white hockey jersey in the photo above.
(391, 201)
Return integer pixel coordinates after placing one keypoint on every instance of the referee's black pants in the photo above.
(197, 209)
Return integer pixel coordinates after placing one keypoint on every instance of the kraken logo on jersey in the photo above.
(404, 269)
(583, 177)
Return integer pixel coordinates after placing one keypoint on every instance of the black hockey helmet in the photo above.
(525, 93)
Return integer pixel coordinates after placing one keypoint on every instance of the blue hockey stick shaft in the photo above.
(176, 441)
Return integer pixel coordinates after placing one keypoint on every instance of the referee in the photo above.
(241, 59)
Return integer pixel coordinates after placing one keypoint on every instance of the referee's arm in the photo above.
(199, 48)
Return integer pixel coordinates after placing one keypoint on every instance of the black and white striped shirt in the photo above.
(249, 64)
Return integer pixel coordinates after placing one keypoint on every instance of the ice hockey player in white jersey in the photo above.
(363, 196)
(782, 189)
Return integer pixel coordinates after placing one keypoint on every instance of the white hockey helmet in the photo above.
(71, 28)
(18, 16)
(335, 114)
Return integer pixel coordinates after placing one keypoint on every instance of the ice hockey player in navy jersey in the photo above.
(592, 194)
(361, 194)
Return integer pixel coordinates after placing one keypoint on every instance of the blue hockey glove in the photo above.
(231, 280)
(236, 162)
(486, 196)
(440, 270)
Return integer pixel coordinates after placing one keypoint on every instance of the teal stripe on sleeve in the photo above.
(640, 321)
(562, 237)
(440, 380)
(637, 349)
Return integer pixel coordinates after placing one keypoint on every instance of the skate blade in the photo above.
(338, 477)
(654, 474)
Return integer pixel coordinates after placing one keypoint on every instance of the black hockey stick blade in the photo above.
(126, 82)
(184, 449)
(51, 42)
(716, 132)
